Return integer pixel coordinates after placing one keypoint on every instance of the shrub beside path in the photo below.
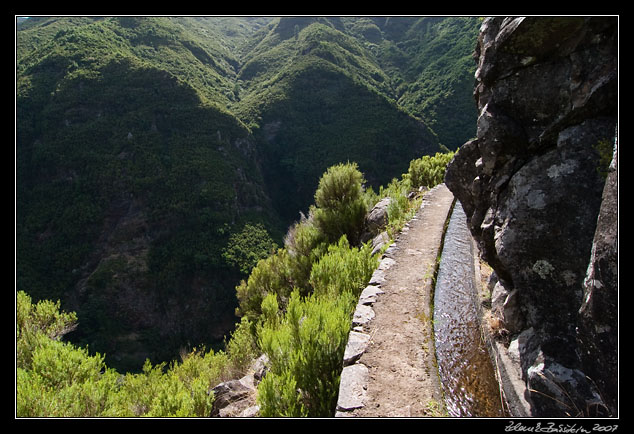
(389, 364)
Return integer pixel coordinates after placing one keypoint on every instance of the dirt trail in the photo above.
(401, 379)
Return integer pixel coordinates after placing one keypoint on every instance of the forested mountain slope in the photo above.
(149, 149)
(131, 178)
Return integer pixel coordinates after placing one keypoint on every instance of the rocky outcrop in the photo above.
(375, 223)
(598, 334)
(377, 218)
(237, 397)
(231, 398)
(531, 185)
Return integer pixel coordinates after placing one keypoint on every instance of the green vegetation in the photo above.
(423, 173)
(343, 270)
(160, 161)
(339, 205)
(429, 60)
(125, 155)
(339, 212)
(296, 307)
(443, 82)
(429, 170)
(58, 379)
(305, 348)
(247, 247)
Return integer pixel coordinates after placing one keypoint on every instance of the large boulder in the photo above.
(237, 398)
(376, 221)
(377, 218)
(231, 398)
(531, 185)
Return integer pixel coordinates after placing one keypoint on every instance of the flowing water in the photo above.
(465, 369)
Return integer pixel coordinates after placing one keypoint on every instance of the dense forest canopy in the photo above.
(158, 159)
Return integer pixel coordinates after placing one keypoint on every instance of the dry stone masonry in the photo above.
(389, 368)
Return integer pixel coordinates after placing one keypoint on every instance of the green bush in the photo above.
(54, 378)
(303, 296)
(270, 276)
(340, 207)
(242, 348)
(343, 269)
(156, 393)
(43, 318)
(63, 381)
(399, 209)
(284, 270)
(305, 244)
(58, 379)
(428, 170)
(305, 348)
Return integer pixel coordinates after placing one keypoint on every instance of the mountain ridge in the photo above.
(144, 144)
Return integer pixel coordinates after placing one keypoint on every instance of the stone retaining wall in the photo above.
(355, 375)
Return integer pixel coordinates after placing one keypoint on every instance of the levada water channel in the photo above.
(465, 368)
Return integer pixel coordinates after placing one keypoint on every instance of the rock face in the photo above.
(237, 398)
(598, 320)
(531, 184)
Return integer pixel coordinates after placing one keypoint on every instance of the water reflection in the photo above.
(465, 368)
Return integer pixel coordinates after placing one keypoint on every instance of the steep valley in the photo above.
(145, 147)
(318, 216)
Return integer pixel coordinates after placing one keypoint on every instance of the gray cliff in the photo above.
(539, 188)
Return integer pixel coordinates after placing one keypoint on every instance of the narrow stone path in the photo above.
(390, 360)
